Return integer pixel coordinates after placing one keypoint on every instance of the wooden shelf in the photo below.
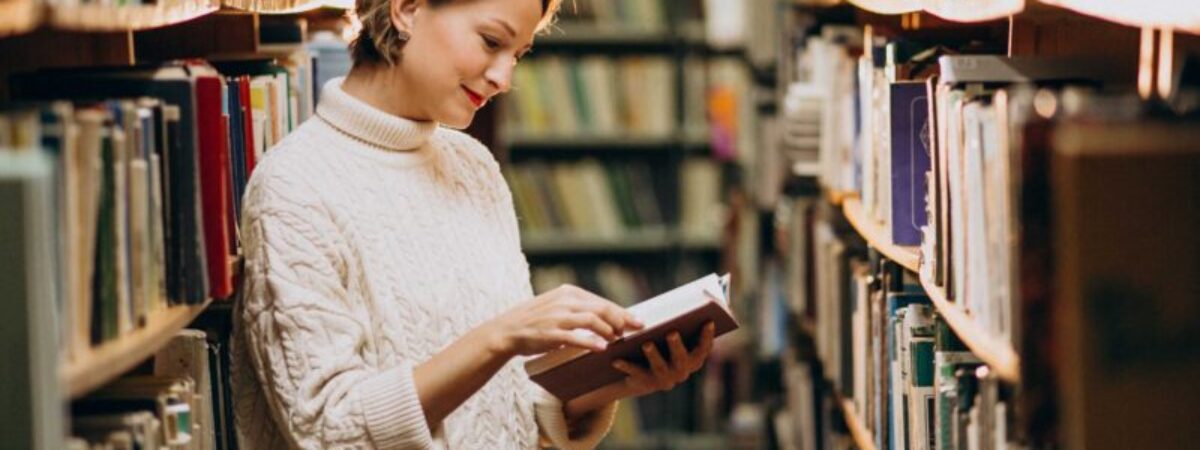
(962, 11)
(282, 6)
(1173, 14)
(97, 17)
(18, 16)
(837, 197)
(863, 439)
(994, 351)
(876, 236)
(108, 361)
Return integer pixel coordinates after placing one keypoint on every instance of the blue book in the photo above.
(910, 160)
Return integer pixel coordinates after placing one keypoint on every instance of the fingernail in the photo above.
(675, 336)
(618, 365)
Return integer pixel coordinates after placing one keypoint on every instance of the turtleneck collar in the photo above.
(368, 124)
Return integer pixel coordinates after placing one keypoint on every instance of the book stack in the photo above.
(592, 96)
(179, 401)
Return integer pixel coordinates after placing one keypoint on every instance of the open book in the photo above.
(569, 372)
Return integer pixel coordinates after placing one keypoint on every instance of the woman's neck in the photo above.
(383, 88)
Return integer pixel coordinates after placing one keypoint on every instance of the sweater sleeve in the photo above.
(305, 335)
(552, 422)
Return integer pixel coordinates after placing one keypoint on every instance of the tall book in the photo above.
(910, 133)
(29, 380)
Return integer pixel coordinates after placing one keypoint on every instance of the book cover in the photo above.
(570, 371)
(910, 161)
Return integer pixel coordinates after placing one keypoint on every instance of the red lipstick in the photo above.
(475, 98)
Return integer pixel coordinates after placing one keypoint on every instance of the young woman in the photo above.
(387, 303)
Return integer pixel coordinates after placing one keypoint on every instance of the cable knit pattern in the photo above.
(371, 243)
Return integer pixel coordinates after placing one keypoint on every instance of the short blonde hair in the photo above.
(380, 42)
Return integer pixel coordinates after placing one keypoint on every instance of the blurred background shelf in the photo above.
(637, 241)
(550, 145)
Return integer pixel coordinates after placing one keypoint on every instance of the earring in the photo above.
(402, 36)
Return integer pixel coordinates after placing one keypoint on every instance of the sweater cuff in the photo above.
(552, 420)
(395, 418)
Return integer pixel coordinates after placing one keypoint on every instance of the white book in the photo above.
(125, 320)
(572, 371)
(33, 407)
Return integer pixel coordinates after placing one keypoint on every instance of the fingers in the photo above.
(658, 366)
(630, 369)
(590, 322)
(680, 361)
(617, 317)
(700, 353)
(578, 340)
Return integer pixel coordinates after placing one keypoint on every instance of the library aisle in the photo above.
(949, 225)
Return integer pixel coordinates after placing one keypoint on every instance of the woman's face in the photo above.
(462, 53)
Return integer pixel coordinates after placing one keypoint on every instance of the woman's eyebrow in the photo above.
(503, 24)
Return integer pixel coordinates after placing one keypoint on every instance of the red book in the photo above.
(243, 86)
(214, 185)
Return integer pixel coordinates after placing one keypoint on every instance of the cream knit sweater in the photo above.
(372, 242)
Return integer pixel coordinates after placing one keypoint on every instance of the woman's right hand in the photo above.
(549, 321)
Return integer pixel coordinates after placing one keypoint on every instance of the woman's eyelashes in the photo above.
(491, 43)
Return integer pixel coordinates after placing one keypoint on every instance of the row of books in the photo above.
(557, 96)
(913, 383)
(898, 127)
(149, 166)
(180, 401)
(641, 15)
(611, 199)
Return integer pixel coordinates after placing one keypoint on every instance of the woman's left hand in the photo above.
(664, 375)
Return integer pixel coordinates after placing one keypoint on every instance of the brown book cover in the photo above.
(570, 372)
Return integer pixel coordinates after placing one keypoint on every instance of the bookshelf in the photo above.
(876, 236)
(863, 438)
(106, 362)
(997, 353)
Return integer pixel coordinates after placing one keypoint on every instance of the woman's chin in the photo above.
(458, 119)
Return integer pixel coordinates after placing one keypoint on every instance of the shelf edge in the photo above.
(999, 355)
(102, 364)
(908, 257)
